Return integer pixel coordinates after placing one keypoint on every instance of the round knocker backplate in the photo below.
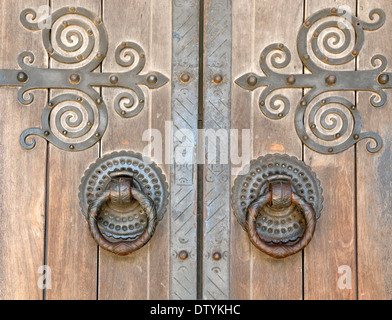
(274, 225)
(124, 222)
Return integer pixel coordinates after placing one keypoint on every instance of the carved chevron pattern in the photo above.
(184, 116)
(217, 176)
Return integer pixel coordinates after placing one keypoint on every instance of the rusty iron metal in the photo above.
(338, 47)
(84, 55)
(278, 203)
(121, 197)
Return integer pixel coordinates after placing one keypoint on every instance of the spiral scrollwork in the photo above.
(330, 37)
(325, 126)
(73, 40)
(70, 123)
(129, 105)
(78, 38)
(334, 42)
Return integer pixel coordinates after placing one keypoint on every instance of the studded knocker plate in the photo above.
(278, 203)
(123, 197)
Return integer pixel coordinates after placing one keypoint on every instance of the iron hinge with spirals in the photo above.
(331, 37)
(77, 37)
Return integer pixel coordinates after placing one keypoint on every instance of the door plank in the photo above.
(374, 173)
(333, 246)
(23, 173)
(253, 274)
(72, 253)
(145, 273)
(161, 41)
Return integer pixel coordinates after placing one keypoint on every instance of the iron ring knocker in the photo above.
(122, 248)
(278, 201)
(123, 196)
(280, 251)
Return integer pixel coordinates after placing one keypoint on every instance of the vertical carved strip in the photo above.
(185, 74)
(217, 105)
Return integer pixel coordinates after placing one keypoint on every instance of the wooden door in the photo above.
(199, 250)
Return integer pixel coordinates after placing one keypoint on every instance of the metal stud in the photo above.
(330, 80)
(383, 79)
(218, 79)
(74, 78)
(152, 79)
(183, 255)
(252, 81)
(22, 77)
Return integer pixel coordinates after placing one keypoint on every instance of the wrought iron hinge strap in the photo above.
(77, 37)
(316, 122)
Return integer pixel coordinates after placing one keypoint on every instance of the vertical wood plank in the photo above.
(374, 172)
(72, 253)
(23, 173)
(269, 276)
(161, 60)
(241, 118)
(125, 277)
(145, 273)
(254, 274)
(333, 245)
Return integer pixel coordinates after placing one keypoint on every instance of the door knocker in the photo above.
(278, 203)
(123, 197)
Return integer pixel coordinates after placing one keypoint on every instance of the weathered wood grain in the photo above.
(72, 253)
(334, 243)
(374, 173)
(22, 173)
(145, 273)
(257, 24)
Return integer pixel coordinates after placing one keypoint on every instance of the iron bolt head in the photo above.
(383, 78)
(252, 81)
(218, 79)
(22, 77)
(217, 256)
(74, 78)
(185, 77)
(183, 255)
(152, 79)
(330, 80)
(290, 80)
(113, 79)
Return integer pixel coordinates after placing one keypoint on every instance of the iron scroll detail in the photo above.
(325, 125)
(77, 120)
